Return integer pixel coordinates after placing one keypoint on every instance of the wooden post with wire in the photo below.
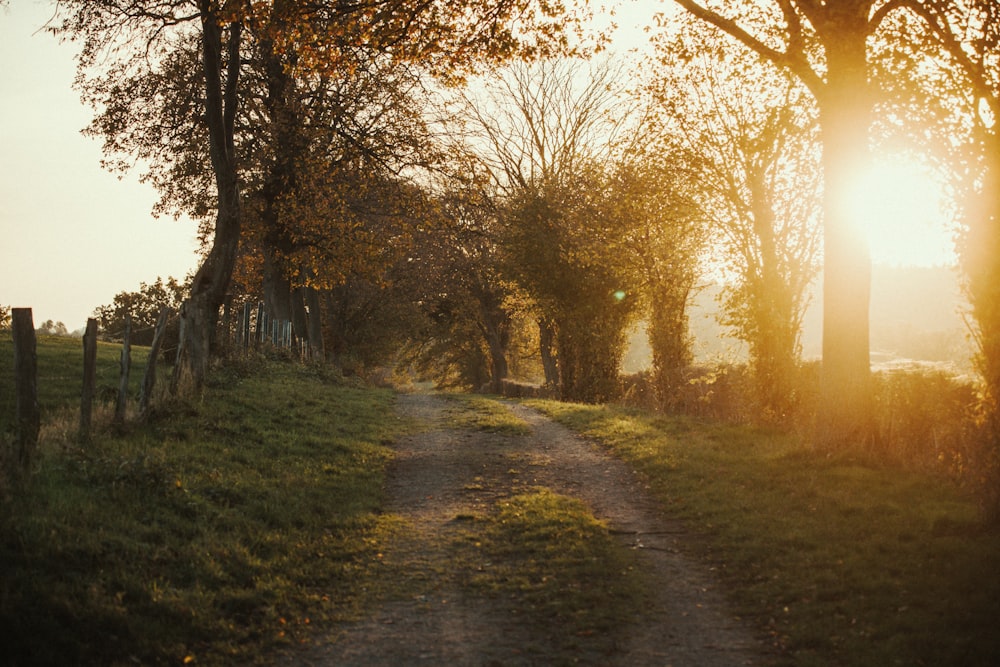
(89, 378)
(26, 387)
(121, 404)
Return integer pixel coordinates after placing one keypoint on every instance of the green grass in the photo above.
(235, 526)
(217, 533)
(60, 374)
(480, 413)
(838, 562)
(555, 565)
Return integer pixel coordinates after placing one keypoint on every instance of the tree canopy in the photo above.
(140, 50)
(451, 181)
(753, 159)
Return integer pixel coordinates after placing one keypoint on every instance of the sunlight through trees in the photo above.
(474, 192)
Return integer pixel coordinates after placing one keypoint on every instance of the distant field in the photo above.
(60, 373)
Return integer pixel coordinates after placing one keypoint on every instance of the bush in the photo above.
(925, 419)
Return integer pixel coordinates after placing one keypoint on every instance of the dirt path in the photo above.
(442, 475)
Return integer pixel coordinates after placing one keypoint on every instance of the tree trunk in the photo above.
(980, 251)
(670, 342)
(300, 320)
(317, 349)
(546, 345)
(774, 333)
(845, 411)
(499, 370)
(280, 183)
(200, 312)
(494, 324)
(845, 416)
(26, 388)
(275, 285)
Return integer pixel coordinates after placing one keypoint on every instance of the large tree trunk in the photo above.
(546, 346)
(200, 312)
(981, 262)
(494, 324)
(980, 251)
(280, 183)
(842, 27)
(845, 413)
(276, 286)
(317, 349)
(300, 320)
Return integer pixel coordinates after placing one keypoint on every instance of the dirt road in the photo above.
(443, 474)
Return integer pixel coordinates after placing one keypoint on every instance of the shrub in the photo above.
(925, 419)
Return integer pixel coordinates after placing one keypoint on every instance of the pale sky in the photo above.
(72, 235)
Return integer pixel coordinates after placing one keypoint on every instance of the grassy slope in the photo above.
(230, 528)
(216, 534)
(841, 563)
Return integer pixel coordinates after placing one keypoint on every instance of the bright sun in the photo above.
(902, 207)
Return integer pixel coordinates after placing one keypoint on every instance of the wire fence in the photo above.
(252, 331)
(254, 327)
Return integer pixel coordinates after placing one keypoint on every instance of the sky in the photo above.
(73, 235)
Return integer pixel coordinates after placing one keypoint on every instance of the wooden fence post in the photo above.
(149, 379)
(89, 377)
(26, 385)
(246, 326)
(259, 335)
(227, 325)
(126, 364)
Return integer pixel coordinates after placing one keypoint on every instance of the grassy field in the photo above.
(248, 522)
(60, 374)
(839, 562)
(218, 533)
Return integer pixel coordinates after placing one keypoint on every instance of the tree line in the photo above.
(473, 188)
